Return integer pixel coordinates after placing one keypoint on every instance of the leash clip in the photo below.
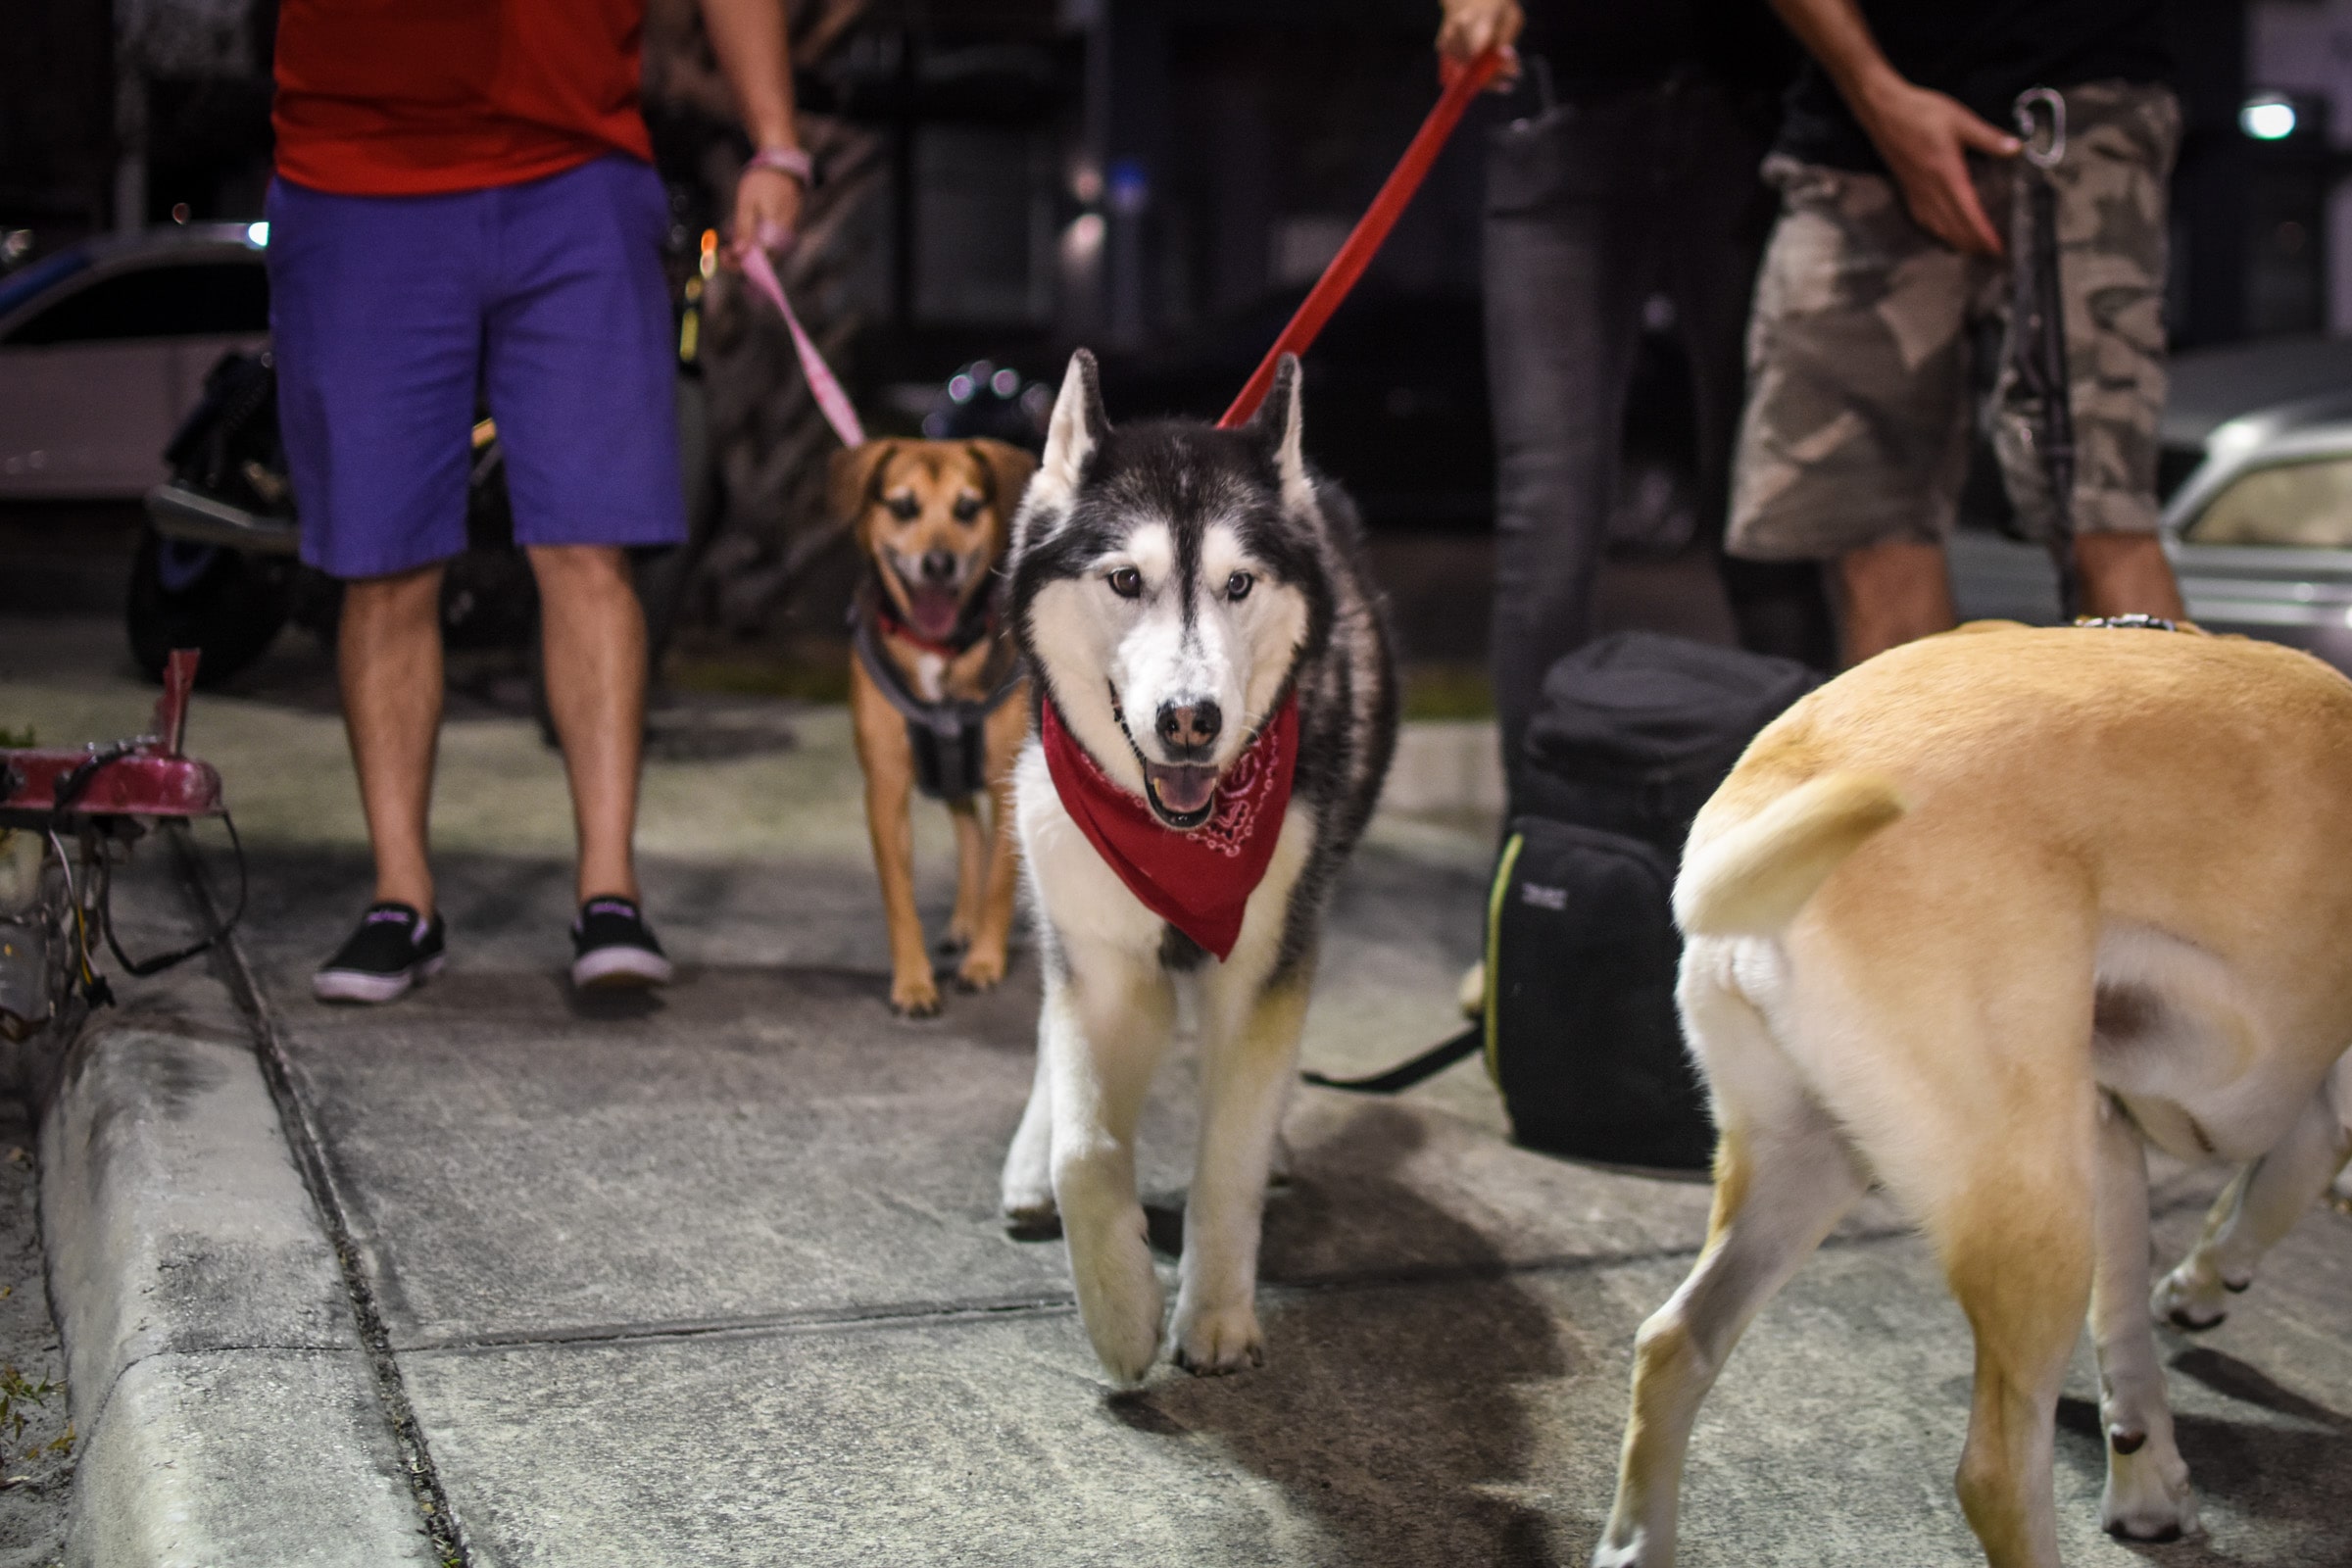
(2030, 126)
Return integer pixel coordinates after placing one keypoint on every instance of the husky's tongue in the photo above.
(1181, 790)
(933, 611)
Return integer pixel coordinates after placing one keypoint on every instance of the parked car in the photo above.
(2256, 483)
(104, 349)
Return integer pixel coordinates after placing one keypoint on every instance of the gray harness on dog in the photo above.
(949, 737)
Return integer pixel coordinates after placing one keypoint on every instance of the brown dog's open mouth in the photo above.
(932, 612)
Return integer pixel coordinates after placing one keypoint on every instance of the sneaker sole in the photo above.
(357, 985)
(620, 969)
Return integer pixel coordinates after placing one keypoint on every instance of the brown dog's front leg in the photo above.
(889, 784)
(984, 962)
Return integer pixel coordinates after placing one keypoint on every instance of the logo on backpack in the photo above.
(1544, 898)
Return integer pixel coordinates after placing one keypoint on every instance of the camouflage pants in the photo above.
(1860, 350)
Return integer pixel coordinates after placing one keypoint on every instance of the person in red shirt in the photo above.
(465, 208)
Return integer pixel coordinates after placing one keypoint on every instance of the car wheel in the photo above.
(225, 602)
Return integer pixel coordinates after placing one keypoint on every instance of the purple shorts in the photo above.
(388, 313)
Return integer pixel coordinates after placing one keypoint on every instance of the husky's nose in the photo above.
(1189, 730)
(939, 566)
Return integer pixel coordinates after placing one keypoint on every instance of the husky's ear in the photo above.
(1078, 427)
(1276, 423)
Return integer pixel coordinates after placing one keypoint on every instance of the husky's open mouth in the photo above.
(1181, 795)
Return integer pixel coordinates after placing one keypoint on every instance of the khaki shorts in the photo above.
(1859, 354)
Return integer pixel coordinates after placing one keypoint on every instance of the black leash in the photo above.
(2037, 330)
(1436, 1059)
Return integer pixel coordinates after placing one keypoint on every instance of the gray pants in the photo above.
(1593, 208)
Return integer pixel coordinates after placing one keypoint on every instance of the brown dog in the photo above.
(935, 689)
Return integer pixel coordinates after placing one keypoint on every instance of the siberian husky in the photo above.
(1204, 636)
(1979, 919)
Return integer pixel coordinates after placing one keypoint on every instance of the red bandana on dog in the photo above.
(1200, 882)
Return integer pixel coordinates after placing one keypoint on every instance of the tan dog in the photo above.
(1975, 920)
(932, 519)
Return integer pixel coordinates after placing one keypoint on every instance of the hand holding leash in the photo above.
(768, 193)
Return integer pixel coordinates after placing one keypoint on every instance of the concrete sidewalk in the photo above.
(716, 1277)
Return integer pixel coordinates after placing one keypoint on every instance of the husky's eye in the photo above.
(1237, 587)
(966, 508)
(903, 508)
(1127, 582)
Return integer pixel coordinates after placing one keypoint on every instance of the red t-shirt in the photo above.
(414, 97)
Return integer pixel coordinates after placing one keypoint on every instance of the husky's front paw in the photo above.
(1030, 1213)
(1119, 1298)
(2192, 1297)
(2148, 1495)
(1626, 1554)
(1221, 1339)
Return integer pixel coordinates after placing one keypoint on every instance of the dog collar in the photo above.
(963, 640)
(1200, 881)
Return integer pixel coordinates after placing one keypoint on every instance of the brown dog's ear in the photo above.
(1008, 471)
(850, 479)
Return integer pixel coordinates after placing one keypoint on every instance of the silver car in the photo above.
(104, 348)
(2256, 480)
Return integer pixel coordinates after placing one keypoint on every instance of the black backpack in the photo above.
(1634, 733)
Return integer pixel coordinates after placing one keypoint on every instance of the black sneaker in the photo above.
(612, 948)
(394, 948)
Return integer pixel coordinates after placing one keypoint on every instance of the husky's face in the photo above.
(1167, 579)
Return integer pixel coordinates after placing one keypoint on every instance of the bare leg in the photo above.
(2127, 574)
(389, 660)
(593, 633)
(1890, 594)
(1106, 1022)
(2147, 1495)
(2253, 1212)
(1783, 1178)
(1250, 1053)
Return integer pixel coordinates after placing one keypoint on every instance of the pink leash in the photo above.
(822, 384)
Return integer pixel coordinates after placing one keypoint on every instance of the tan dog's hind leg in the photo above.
(1783, 1178)
(2259, 1208)
(1103, 1029)
(1249, 1056)
(2017, 1248)
(2147, 1495)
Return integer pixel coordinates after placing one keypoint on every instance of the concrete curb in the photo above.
(226, 1406)
(1445, 766)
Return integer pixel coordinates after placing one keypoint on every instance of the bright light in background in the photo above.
(2268, 118)
(1081, 242)
(257, 234)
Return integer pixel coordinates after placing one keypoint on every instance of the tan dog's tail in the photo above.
(1751, 879)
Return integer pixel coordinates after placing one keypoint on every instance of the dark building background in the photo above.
(1159, 179)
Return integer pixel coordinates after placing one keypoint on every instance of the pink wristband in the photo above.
(784, 160)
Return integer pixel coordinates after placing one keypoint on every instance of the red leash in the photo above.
(1462, 83)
